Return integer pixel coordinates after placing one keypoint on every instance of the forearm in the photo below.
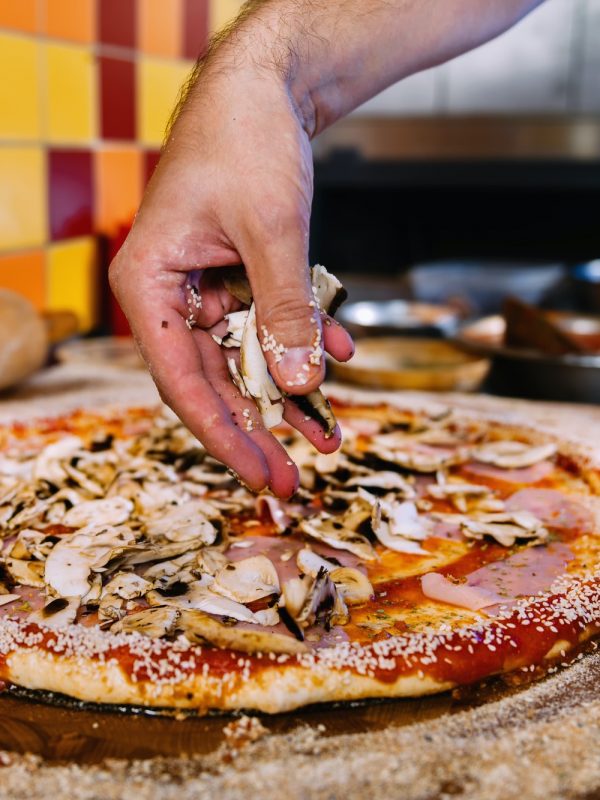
(335, 55)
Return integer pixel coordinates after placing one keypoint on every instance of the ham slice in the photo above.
(553, 508)
(511, 477)
(437, 587)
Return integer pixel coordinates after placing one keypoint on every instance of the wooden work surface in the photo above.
(59, 729)
(450, 737)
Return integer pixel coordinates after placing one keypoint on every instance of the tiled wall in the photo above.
(86, 87)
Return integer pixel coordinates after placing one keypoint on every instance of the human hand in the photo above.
(234, 185)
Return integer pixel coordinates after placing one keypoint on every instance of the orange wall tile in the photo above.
(74, 20)
(20, 15)
(160, 26)
(118, 175)
(25, 273)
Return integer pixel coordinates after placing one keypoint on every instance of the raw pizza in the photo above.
(431, 550)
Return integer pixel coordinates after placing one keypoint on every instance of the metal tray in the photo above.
(529, 373)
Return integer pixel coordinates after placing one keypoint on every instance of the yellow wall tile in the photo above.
(222, 12)
(72, 280)
(20, 116)
(23, 205)
(158, 88)
(71, 94)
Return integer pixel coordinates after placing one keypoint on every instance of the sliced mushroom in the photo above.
(513, 455)
(309, 563)
(197, 595)
(352, 584)
(163, 570)
(458, 493)
(333, 532)
(236, 377)
(255, 374)
(293, 595)
(181, 523)
(247, 580)
(161, 552)
(269, 617)
(27, 545)
(505, 527)
(108, 511)
(236, 322)
(70, 562)
(199, 627)
(26, 573)
(124, 586)
(48, 464)
(316, 406)
(328, 290)
(153, 622)
(92, 598)
(210, 560)
(386, 481)
(397, 525)
(323, 604)
(397, 448)
(127, 585)
(82, 480)
(57, 613)
(237, 284)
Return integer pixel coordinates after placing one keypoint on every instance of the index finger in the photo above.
(175, 363)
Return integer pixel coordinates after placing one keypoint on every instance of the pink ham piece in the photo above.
(274, 509)
(523, 477)
(437, 587)
(553, 508)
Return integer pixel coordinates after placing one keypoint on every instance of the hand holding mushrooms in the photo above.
(234, 186)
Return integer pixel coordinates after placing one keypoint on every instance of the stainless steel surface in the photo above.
(586, 280)
(388, 317)
(574, 138)
(528, 373)
(479, 287)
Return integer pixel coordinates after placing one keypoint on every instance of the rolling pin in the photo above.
(25, 336)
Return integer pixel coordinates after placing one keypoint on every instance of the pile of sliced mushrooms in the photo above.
(151, 534)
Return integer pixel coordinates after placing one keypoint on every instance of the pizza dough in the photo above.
(407, 638)
(23, 339)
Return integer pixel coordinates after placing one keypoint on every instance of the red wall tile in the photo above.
(117, 98)
(195, 27)
(70, 192)
(118, 22)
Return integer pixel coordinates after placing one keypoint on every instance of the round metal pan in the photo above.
(528, 373)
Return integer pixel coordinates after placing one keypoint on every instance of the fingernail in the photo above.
(295, 368)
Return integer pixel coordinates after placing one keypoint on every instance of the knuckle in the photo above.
(289, 309)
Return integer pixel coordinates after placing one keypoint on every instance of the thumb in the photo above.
(288, 318)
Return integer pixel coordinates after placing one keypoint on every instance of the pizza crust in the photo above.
(273, 690)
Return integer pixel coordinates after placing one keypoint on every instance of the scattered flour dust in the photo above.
(542, 743)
